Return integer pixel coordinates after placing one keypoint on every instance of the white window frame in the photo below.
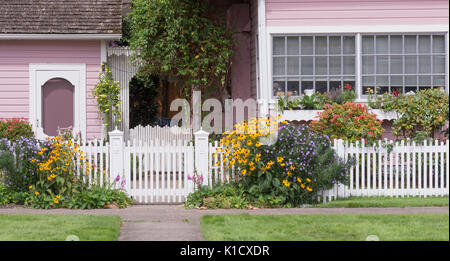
(266, 86)
(39, 75)
(313, 56)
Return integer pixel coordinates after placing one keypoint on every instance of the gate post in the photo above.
(202, 155)
(116, 160)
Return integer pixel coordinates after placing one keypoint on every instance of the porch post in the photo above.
(202, 155)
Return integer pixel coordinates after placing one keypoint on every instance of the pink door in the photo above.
(57, 106)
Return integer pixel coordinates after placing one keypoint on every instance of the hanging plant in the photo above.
(107, 95)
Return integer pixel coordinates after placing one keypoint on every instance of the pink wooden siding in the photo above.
(15, 57)
(356, 12)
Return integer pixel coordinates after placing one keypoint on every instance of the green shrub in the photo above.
(5, 195)
(229, 196)
(14, 129)
(97, 197)
(350, 122)
(427, 110)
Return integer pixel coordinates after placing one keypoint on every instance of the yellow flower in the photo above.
(309, 189)
(289, 173)
(303, 186)
(299, 180)
(58, 197)
(258, 144)
(36, 193)
(244, 171)
(286, 183)
(30, 187)
(292, 168)
(308, 180)
(280, 159)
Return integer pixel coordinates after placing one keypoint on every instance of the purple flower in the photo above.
(117, 178)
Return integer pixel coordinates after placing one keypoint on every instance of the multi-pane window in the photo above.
(402, 62)
(388, 62)
(321, 63)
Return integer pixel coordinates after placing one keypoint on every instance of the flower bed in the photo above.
(289, 170)
(44, 174)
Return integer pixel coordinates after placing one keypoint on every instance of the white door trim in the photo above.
(39, 75)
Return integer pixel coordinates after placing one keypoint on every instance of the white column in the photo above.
(116, 161)
(202, 155)
(264, 63)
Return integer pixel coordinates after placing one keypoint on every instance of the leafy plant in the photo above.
(427, 110)
(341, 96)
(313, 102)
(285, 102)
(5, 195)
(351, 122)
(107, 94)
(183, 38)
(97, 197)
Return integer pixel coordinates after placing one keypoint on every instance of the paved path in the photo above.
(174, 223)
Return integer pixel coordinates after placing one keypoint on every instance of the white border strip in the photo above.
(60, 36)
(358, 29)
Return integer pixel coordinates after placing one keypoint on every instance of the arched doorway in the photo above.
(57, 106)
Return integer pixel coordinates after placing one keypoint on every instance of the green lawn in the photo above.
(386, 202)
(58, 227)
(345, 227)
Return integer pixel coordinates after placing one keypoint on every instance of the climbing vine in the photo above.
(107, 95)
(182, 38)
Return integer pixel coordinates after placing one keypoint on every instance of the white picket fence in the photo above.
(164, 134)
(153, 172)
(403, 170)
(158, 172)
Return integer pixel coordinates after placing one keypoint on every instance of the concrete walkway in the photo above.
(174, 223)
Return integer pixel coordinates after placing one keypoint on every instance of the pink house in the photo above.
(397, 45)
(50, 56)
(289, 46)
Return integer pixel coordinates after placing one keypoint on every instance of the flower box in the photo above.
(310, 115)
